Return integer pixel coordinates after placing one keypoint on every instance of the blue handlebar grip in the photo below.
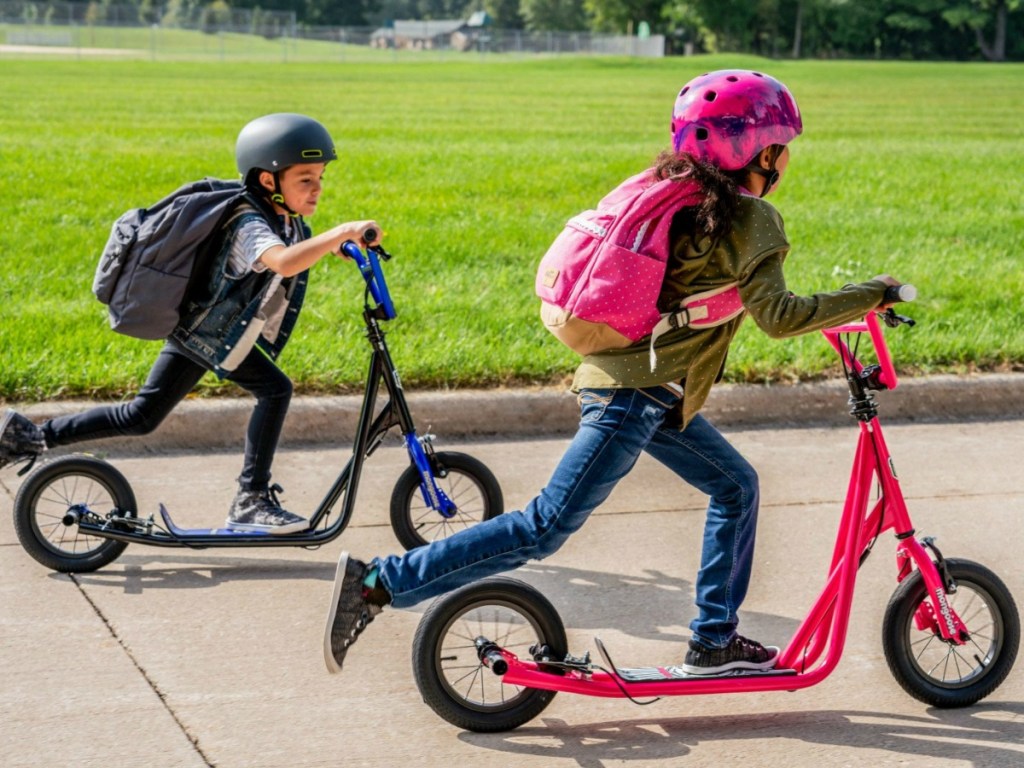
(369, 266)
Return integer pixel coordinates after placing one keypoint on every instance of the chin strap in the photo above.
(278, 198)
(770, 176)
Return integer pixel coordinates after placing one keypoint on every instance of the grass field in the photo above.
(910, 168)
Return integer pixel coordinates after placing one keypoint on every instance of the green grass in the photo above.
(910, 168)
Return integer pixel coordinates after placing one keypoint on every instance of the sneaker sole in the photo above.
(339, 579)
(733, 666)
(274, 530)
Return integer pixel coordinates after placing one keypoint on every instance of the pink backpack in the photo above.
(599, 281)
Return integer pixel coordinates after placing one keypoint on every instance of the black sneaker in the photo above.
(261, 511)
(740, 653)
(350, 611)
(20, 439)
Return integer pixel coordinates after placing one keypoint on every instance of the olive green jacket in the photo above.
(751, 256)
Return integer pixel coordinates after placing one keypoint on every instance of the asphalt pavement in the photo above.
(173, 657)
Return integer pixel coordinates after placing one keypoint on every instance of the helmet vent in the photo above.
(685, 89)
(702, 134)
(732, 79)
(710, 96)
(309, 154)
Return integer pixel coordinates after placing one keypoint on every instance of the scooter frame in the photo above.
(816, 647)
(370, 433)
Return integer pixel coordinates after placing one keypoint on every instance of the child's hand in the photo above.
(366, 232)
(892, 282)
(369, 232)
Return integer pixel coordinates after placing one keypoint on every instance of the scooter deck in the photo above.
(197, 533)
(675, 673)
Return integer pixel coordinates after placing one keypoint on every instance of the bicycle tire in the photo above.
(465, 480)
(449, 674)
(47, 495)
(945, 675)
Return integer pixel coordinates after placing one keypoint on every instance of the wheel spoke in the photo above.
(52, 503)
(471, 680)
(464, 492)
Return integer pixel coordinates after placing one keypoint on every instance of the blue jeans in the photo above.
(615, 426)
(174, 374)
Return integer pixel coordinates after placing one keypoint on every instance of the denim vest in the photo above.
(222, 320)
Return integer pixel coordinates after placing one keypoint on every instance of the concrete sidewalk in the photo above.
(173, 657)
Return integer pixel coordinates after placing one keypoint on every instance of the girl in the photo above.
(730, 133)
(236, 321)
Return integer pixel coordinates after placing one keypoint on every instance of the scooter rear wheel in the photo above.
(48, 501)
(939, 673)
(467, 481)
(452, 679)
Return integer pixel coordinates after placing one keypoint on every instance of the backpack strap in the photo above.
(706, 309)
(655, 205)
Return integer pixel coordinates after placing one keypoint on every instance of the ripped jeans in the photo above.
(615, 426)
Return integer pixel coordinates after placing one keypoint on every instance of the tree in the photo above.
(734, 24)
(687, 26)
(623, 15)
(978, 15)
(554, 15)
(505, 13)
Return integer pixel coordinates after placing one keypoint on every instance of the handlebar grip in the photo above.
(369, 235)
(898, 293)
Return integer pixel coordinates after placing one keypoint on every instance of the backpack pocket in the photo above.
(621, 290)
(123, 234)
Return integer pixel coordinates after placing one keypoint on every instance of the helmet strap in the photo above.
(769, 174)
(278, 198)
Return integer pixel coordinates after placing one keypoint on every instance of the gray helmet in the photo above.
(275, 142)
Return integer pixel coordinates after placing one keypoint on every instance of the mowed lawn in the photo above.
(915, 169)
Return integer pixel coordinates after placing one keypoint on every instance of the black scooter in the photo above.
(77, 513)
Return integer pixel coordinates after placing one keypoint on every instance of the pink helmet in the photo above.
(727, 117)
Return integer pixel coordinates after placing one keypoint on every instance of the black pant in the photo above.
(174, 375)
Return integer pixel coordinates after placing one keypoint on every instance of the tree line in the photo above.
(930, 29)
(990, 30)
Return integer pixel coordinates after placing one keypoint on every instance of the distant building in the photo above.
(431, 34)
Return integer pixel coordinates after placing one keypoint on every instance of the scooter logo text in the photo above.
(940, 596)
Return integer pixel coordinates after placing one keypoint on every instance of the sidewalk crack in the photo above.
(193, 740)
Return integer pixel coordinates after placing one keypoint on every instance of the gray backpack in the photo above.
(152, 253)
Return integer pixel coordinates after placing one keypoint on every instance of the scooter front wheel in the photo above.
(944, 674)
(466, 481)
(453, 680)
(50, 502)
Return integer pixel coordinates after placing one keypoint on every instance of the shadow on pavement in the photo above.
(982, 735)
(135, 574)
(651, 606)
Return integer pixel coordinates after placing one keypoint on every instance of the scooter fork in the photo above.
(934, 614)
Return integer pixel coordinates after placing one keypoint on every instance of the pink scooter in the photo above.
(950, 632)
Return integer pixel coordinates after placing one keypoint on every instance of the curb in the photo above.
(219, 423)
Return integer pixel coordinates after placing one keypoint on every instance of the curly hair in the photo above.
(713, 216)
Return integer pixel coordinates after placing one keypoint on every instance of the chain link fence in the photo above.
(218, 32)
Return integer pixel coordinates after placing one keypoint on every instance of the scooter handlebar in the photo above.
(897, 293)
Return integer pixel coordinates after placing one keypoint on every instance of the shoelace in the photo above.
(272, 492)
(751, 648)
